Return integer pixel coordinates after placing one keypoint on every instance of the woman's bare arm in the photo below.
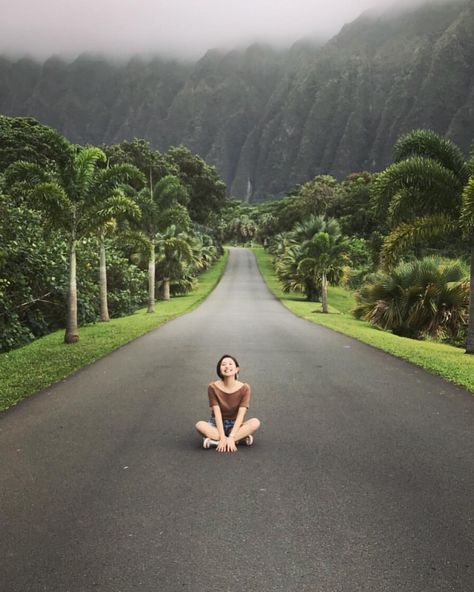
(219, 422)
(239, 420)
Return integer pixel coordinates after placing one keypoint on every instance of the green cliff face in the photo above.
(268, 119)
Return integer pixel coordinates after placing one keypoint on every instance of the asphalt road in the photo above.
(361, 477)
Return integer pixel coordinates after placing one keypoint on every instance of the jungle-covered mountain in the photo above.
(269, 119)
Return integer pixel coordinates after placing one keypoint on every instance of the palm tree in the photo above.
(125, 209)
(292, 277)
(324, 257)
(160, 208)
(279, 244)
(319, 258)
(106, 229)
(243, 229)
(423, 297)
(306, 229)
(427, 193)
(174, 255)
(78, 200)
(203, 250)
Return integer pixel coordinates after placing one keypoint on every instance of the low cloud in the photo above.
(181, 28)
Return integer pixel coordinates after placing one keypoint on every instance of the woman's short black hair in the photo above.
(220, 362)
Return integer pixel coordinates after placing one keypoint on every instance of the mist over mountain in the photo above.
(269, 119)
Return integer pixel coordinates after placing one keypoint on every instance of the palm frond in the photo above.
(429, 144)
(52, 198)
(169, 191)
(29, 172)
(176, 215)
(118, 204)
(107, 179)
(467, 211)
(137, 241)
(401, 206)
(408, 233)
(415, 299)
(308, 228)
(84, 167)
(432, 186)
(115, 206)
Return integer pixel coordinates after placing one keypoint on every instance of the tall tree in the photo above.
(160, 208)
(324, 257)
(139, 153)
(313, 254)
(78, 199)
(174, 255)
(206, 191)
(427, 193)
(23, 138)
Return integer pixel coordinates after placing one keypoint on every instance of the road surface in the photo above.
(361, 477)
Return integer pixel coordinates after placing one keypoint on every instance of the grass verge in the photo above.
(47, 360)
(447, 361)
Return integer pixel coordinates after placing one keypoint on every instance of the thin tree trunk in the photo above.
(72, 332)
(324, 293)
(470, 327)
(104, 308)
(151, 280)
(312, 291)
(166, 288)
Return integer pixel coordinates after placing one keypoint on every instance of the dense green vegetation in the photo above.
(47, 360)
(93, 233)
(79, 227)
(403, 238)
(270, 120)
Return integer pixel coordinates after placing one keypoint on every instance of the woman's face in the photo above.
(228, 367)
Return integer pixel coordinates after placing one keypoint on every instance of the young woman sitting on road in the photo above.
(229, 400)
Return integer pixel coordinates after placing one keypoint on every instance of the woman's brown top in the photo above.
(229, 403)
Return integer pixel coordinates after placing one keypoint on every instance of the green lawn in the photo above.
(447, 361)
(47, 360)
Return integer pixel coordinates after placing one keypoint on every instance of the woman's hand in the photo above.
(226, 445)
(231, 445)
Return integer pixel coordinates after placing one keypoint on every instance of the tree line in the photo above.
(90, 232)
(87, 233)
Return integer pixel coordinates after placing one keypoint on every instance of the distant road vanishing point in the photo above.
(361, 477)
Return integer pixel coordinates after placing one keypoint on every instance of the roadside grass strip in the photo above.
(47, 360)
(445, 360)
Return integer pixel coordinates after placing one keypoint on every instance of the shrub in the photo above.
(421, 298)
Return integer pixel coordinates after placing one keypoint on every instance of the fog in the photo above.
(180, 28)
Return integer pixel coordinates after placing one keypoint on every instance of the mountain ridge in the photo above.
(270, 119)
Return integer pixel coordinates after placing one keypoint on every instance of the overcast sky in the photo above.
(184, 28)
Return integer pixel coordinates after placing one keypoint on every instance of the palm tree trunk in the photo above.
(324, 293)
(312, 291)
(104, 308)
(72, 332)
(470, 326)
(151, 280)
(166, 288)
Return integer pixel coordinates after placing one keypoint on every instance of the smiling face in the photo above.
(228, 368)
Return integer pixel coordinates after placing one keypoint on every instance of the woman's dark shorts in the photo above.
(228, 424)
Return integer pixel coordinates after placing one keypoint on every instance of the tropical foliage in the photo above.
(77, 200)
(426, 194)
(67, 215)
(129, 212)
(311, 255)
(421, 298)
